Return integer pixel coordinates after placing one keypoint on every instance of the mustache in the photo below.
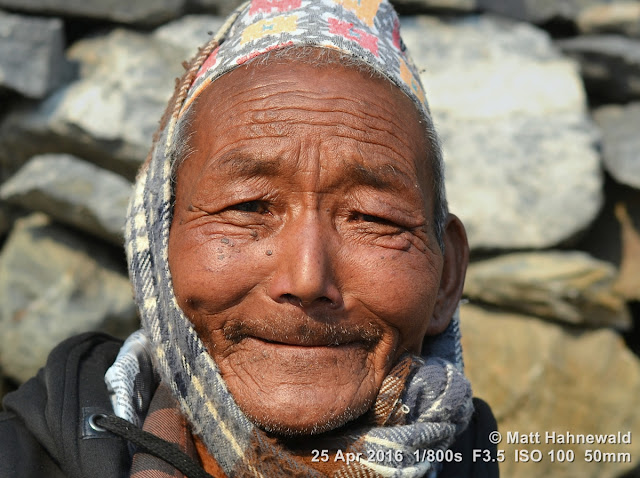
(303, 331)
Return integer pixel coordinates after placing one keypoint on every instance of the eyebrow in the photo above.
(383, 177)
(243, 165)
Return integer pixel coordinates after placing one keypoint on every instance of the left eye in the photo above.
(373, 219)
(250, 206)
(380, 224)
(376, 219)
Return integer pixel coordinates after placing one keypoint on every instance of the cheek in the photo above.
(210, 274)
(399, 287)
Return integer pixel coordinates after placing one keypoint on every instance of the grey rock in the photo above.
(522, 170)
(540, 11)
(219, 7)
(26, 131)
(189, 32)
(620, 141)
(540, 376)
(610, 65)
(32, 60)
(8, 216)
(567, 286)
(453, 6)
(72, 191)
(146, 12)
(54, 284)
(108, 116)
(617, 17)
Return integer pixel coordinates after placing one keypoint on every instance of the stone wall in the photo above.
(538, 107)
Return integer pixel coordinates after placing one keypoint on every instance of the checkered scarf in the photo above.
(435, 398)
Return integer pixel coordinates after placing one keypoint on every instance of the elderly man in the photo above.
(296, 271)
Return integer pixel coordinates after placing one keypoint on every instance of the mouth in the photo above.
(306, 334)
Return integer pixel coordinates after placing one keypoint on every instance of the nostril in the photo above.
(295, 300)
(292, 299)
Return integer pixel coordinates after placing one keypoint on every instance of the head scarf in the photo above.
(435, 400)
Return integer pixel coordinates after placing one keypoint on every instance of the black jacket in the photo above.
(45, 429)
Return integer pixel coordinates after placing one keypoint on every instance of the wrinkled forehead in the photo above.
(299, 68)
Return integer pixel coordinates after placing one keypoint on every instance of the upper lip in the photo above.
(304, 342)
(305, 333)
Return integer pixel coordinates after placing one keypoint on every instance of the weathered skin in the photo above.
(302, 246)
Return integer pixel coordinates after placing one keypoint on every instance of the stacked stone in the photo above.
(538, 107)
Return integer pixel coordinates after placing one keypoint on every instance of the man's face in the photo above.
(302, 245)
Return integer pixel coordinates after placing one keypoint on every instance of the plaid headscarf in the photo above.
(434, 396)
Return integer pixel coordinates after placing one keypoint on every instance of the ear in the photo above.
(454, 268)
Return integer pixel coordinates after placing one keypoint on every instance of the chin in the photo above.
(302, 424)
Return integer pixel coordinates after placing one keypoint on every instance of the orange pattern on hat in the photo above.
(273, 26)
(365, 9)
(409, 79)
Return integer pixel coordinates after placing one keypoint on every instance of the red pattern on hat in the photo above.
(346, 30)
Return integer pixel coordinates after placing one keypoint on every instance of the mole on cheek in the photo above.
(220, 252)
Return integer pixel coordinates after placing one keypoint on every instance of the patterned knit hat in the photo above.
(366, 29)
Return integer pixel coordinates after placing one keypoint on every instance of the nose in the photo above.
(305, 272)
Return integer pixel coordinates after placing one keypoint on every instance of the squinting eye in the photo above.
(376, 219)
(373, 219)
(378, 222)
(250, 206)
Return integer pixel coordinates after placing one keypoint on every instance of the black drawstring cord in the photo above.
(151, 444)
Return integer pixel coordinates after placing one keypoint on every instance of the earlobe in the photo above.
(454, 268)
